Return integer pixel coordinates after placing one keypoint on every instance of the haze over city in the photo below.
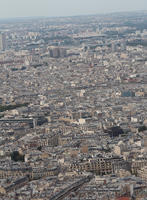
(73, 99)
(28, 8)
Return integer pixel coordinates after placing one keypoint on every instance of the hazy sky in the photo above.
(22, 8)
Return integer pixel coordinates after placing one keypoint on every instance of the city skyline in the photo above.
(32, 8)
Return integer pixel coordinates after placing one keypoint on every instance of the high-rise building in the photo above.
(114, 47)
(123, 45)
(62, 52)
(54, 52)
(2, 42)
(57, 52)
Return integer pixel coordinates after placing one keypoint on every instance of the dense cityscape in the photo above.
(73, 107)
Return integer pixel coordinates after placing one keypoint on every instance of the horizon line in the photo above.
(78, 15)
